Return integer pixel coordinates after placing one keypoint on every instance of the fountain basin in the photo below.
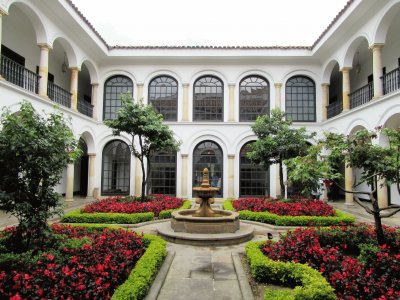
(221, 222)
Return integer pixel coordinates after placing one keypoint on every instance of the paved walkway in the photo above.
(194, 272)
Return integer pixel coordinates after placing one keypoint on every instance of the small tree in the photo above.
(143, 124)
(34, 150)
(375, 161)
(277, 141)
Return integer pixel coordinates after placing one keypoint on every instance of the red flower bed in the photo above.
(300, 207)
(373, 274)
(91, 271)
(129, 205)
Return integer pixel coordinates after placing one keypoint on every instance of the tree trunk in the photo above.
(380, 236)
(283, 192)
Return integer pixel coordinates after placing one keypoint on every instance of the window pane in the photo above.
(208, 99)
(300, 99)
(163, 95)
(113, 88)
(253, 98)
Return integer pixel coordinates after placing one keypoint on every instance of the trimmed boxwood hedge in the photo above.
(142, 276)
(166, 214)
(309, 283)
(269, 218)
(76, 216)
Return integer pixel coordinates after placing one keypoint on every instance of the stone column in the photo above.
(185, 102)
(92, 174)
(325, 100)
(278, 97)
(74, 88)
(346, 88)
(95, 89)
(278, 191)
(2, 13)
(348, 178)
(138, 178)
(377, 69)
(382, 191)
(43, 69)
(69, 190)
(231, 115)
(184, 191)
(139, 91)
(231, 176)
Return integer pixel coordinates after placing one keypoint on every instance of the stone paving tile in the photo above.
(186, 289)
(227, 290)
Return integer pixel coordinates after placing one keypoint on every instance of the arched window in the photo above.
(115, 169)
(300, 99)
(163, 95)
(163, 174)
(113, 88)
(208, 154)
(208, 99)
(254, 179)
(253, 98)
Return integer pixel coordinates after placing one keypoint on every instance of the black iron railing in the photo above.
(19, 75)
(334, 109)
(362, 95)
(391, 81)
(58, 94)
(85, 108)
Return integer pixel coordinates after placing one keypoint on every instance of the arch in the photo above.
(113, 87)
(384, 22)
(35, 18)
(209, 154)
(300, 98)
(356, 125)
(68, 49)
(115, 168)
(253, 179)
(208, 99)
(88, 136)
(163, 95)
(352, 49)
(328, 69)
(254, 97)
(93, 71)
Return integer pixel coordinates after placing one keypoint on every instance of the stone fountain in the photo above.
(205, 219)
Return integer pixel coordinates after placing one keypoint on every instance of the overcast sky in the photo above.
(210, 22)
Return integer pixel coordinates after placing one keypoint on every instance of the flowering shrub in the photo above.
(300, 207)
(377, 277)
(91, 269)
(131, 205)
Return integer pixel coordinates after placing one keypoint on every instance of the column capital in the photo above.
(184, 155)
(185, 84)
(95, 84)
(91, 154)
(75, 69)
(45, 46)
(325, 84)
(3, 12)
(140, 84)
(376, 46)
(345, 69)
(231, 84)
(278, 84)
(231, 156)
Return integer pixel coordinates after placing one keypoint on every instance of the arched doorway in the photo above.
(81, 171)
(208, 154)
(115, 173)
(254, 179)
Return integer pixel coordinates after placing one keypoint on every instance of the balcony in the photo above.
(362, 95)
(19, 75)
(334, 109)
(391, 81)
(85, 108)
(58, 94)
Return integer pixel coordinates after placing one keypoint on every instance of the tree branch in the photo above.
(358, 201)
(393, 206)
(390, 213)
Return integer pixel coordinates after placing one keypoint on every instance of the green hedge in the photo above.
(269, 218)
(166, 214)
(309, 283)
(76, 216)
(142, 276)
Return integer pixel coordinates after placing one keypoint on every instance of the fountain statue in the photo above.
(206, 197)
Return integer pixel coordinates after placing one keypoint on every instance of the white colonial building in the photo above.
(210, 96)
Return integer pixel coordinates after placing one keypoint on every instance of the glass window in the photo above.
(113, 88)
(208, 99)
(208, 155)
(115, 169)
(163, 174)
(300, 99)
(254, 179)
(163, 95)
(253, 98)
